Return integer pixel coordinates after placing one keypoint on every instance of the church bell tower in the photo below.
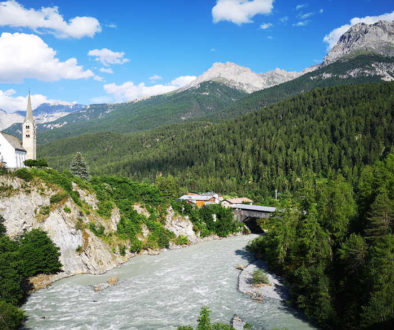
(29, 132)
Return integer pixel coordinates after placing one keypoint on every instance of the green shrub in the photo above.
(97, 231)
(24, 174)
(10, 316)
(36, 163)
(45, 210)
(67, 209)
(136, 246)
(182, 240)
(57, 198)
(80, 225)
(122, 250)
(79, 249)
(260, 277)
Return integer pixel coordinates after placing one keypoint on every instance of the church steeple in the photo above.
(29, 132)
(29, 111)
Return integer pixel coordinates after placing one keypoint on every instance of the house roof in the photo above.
(195, 198)
(254, 208)
(14, 141)
(239, 200)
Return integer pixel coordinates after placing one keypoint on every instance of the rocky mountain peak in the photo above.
(242, 78)
(361, 38)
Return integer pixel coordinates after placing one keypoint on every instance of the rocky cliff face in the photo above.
(27, 206)
(243, 78)
(363, 38)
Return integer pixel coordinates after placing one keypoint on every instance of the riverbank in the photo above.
(43, 281)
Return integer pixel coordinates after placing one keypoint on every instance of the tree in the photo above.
(78, 167)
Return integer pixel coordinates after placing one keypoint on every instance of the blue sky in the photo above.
(140, 48)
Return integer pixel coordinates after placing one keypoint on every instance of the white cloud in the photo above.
(321, 11)
(333, 37)
(240, 11)
(306, 15)
(106, 70)
(155, 78)
(265, 26)
(111, 26)
(47, 19)
(107, 57)
(284, 19)
(28, 56)
(300, 6)
(9, 102)
(101, 99)
(301, 23)
(130, 91)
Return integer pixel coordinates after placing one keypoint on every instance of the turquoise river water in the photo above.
(160, 292)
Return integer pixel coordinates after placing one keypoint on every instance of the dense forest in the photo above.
(334, 245)
(329, 129)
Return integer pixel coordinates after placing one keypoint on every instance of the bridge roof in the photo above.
(258, 208)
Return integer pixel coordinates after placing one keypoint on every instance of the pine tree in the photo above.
(78, 167)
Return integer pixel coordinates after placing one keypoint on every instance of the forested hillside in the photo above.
(334, 244)
(336, 128)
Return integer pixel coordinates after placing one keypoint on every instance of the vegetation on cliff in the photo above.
(334, 244)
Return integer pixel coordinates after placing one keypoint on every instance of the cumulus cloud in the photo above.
(240, 11)
(106, 70)
(28, 56)
(107, 57)
(265, 26)
(47, 19)
(332, 38)
(10, 102)
(130, 91)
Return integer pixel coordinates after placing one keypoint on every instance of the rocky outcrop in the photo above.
(275, 289)
(180, 226)
(364, 38)
(28, 207)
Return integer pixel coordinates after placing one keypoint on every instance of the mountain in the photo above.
(364, 38)
(191, 104)
(43, 113)
(242, 78)
(340, 127)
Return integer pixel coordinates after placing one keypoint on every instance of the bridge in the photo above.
(248, 214)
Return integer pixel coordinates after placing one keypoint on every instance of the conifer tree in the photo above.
(78, 167)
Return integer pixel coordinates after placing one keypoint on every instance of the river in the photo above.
(160, 292)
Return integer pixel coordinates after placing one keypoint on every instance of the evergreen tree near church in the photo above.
(78, 167)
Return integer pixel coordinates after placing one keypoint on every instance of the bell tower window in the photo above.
(27, 135)
(27, 126)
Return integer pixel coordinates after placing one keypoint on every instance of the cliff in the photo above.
(38, 204)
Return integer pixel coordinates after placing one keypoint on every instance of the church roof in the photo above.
(14, 141)
(29, 111)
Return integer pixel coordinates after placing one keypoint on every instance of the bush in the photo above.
(182, 240)
(67, 209)
(57, 198)
(260, 277)
(122, 250)
(136, 246)
(10, 316)
(79, 249)
(97, 231)
(24, 174)
(36, 163)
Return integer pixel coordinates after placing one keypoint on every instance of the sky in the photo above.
(96, 51)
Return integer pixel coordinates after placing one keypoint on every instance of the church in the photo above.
(13, 152)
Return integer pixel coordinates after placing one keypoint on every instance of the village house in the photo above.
(201, 199)
(234, 201)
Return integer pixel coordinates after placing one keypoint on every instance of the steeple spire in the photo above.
(29, 111)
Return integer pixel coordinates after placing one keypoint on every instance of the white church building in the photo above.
(13, 152)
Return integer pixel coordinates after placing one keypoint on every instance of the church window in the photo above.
(27, 135)
(27, 126)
